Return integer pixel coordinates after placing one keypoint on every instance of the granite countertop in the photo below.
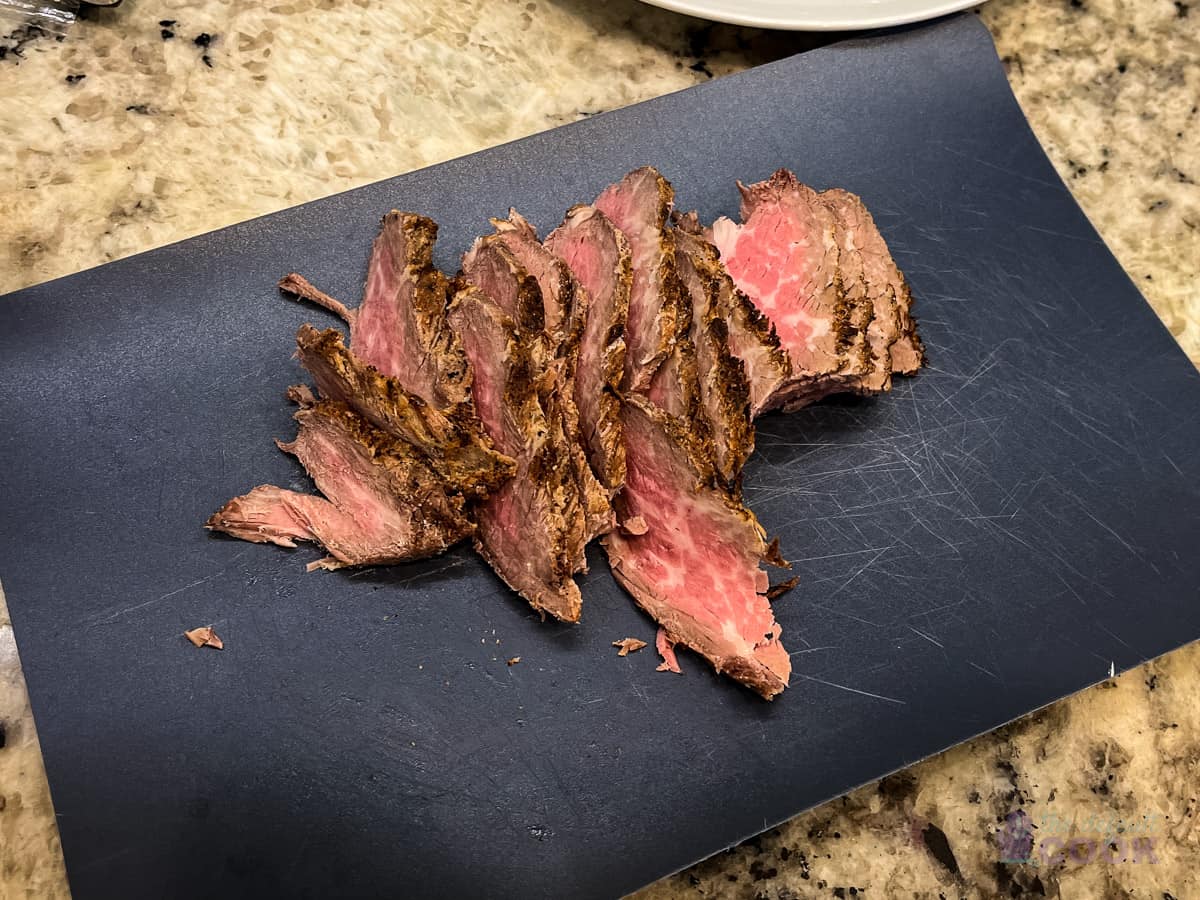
(167, 118)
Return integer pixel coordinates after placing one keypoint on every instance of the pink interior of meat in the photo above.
(486, 387)
(592, 258)
(383, 333)
(773, 258)
(573, 246)
(696, 551)
(488, 269)
(539, 263)
(344, 473)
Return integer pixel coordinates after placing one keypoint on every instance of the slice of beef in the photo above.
(696, 569)
(752, 337)
(877, 325)
(886, 281)
(724, 387)
(493, 267)
(660, 360)
(565, 305)
(400, 326)
(786, 257)
(530, 528)
(598, 255)
(883, 330)
(382, 503)
(892, 341)
(451, 441)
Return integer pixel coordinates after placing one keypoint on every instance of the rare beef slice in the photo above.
(724, 386)
(660, 360)
(382, 503)
(695, 567)
(597, 254)
(530, 529)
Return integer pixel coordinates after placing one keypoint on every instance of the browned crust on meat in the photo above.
(883, 329)
(553, 357)
(570, 296)
(678, 376)
(599, 516)
(409, 471)
(451, 440)
(908, 353)
(641, 372)
(751, 673)
(669, 377)
(773, 556)
(609, 465)
(606, 452)
(858, 348)
(546, 471)
(724, 388)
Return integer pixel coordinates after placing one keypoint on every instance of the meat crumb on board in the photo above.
(205, 637)
(628, 645)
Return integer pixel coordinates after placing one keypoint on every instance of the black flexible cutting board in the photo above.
(987, 538)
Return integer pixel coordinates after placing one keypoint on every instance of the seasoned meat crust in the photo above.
(451, 441)
(529, 527)
(724, 386)
(598, 256)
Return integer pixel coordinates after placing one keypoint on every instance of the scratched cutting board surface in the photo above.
(990, 536)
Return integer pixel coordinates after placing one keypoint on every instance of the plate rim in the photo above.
(804, 22)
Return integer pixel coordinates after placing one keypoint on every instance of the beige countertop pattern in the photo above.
(194, 114)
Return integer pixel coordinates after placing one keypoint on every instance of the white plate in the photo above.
(816, 15)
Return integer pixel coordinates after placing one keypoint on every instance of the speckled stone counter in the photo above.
(167, 118)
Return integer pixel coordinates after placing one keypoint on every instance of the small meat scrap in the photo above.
(666, 649)
(295, 283)
(628, 645)
(205, 637)
(512, 660)
(782, 588)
